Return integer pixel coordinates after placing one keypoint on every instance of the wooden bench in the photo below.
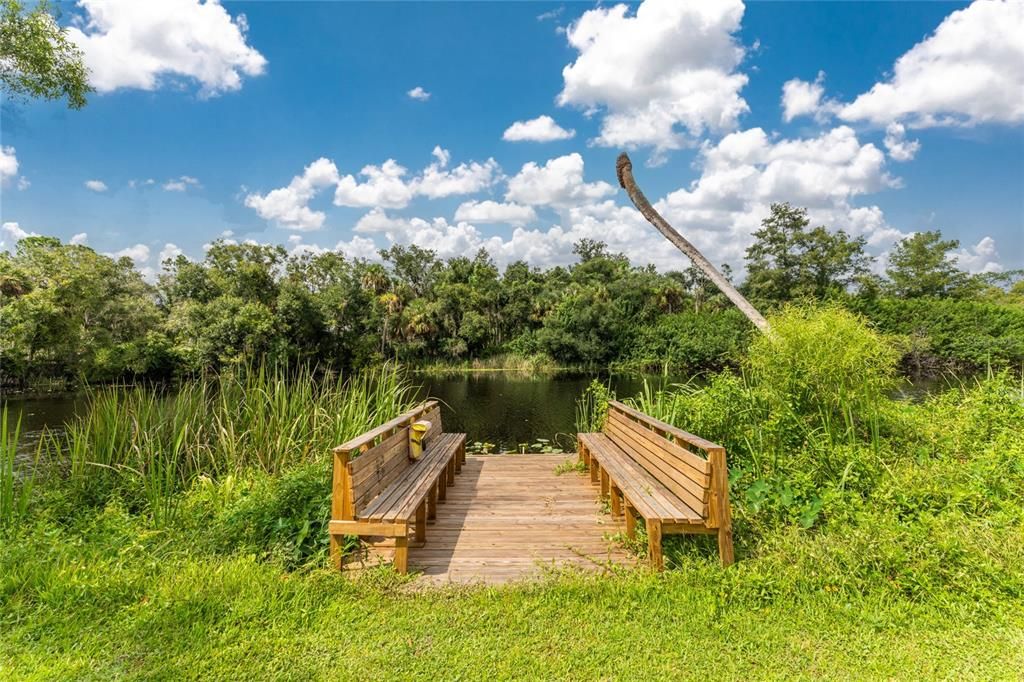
(650, 468)
(379, 491)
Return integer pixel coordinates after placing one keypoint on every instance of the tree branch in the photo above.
(624, 171)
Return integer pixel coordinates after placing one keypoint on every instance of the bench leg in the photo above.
(654, 544)
(458, 461)
(451, 470)
(336, 552)
(630, 521)
(442, 487)
(402, 555)
(605, 483)
(421, 523)
(432, 503)
(462, 453)
(595, 470)
(616, 501)
(725, 545)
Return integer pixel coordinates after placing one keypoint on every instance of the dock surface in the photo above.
(511, 517)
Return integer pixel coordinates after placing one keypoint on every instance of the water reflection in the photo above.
(509, 409)
(503, 408)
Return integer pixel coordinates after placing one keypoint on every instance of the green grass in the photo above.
(102, 600)
(149, 444)
(504, 362)
(875, 539)
(15, 486)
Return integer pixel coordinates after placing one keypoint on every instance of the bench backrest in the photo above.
(669, 454)
(369, 463)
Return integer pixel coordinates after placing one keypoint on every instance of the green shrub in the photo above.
(838, 485)
(691, 341)
(951, 333)
(283, 517)
(822, 363)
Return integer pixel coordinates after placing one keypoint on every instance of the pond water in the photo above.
(502, 408)
(510, 409)
(505, 409)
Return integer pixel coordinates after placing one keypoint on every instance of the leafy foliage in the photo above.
(73, 314)
(788, 261)
(902, 496)
(950, 333)
(37, 59)
(920, 265)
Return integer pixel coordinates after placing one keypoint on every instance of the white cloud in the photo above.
(970, 71)
(79, 239)
(558, 183)
(384, 186)
(746, 172)
(670, 65)
(982, 257)
(540, 129)
(8, 164)
(289, 206)
(132, 44)
(494, 212)
(741, 177)
(170, 251)
(138, 253)
(358, 247)
(96, 185)
(621, 227)
(800, 98)
(11, 233)
(23, 183)
(436, 182)
(442, 155)
(896, 143)
(418, 93)
(180, 184)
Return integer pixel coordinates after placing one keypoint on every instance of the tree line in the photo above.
(70, 313)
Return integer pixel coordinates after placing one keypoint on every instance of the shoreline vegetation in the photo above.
(873, 535)
(70, 316)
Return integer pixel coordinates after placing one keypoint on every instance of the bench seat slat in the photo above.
(648, 495)
(384, 505)
(399, 501)
(403, 419)
(644, 493)
(681, 480)
(362, 462)
(447, 448)
(693, 440)
(700, 466)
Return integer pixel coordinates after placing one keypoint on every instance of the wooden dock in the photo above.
(510, 517)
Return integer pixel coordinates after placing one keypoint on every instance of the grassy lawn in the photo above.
(876, 539)
(108, 601)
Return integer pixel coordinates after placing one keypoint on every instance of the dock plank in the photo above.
(510, 517)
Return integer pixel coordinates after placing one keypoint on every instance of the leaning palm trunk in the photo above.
(624, 169)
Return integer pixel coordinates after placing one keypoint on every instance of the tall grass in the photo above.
(592, 407)
(152, 443)
(15, 490)
(920, 496)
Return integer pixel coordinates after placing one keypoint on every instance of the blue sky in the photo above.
(897, 117)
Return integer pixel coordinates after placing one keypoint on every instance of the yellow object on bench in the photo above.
(417, 432)
(379, 490)
(648, 467)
